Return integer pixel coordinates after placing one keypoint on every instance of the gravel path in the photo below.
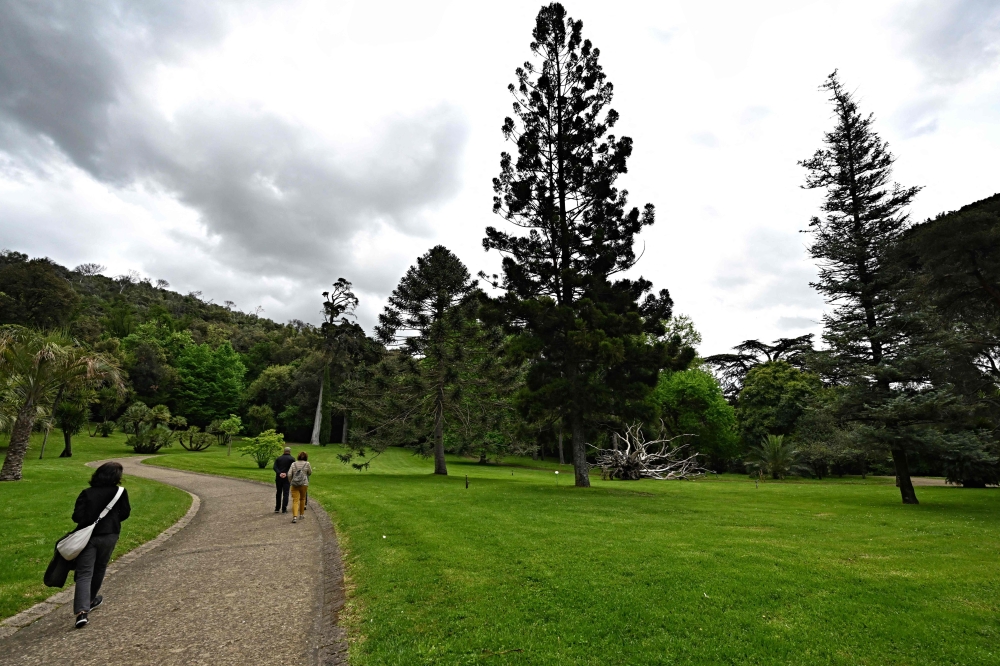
(239, 585)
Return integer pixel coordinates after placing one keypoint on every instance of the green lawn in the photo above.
(522, 568)
(36, 510)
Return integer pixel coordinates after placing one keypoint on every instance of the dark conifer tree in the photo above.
(590, 341)
(731, 369)
(951, 278)
(865, 213)
(344, 347)
(428, 316)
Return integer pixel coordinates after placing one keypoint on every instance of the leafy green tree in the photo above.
(230, 428)
(259, 419)
(590, 341)
(864, 216)
(34, 368)
(34, 294)
(691, 403)
(774, 396)
(211, 382)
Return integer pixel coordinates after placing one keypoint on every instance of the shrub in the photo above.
(149, 438)
(134, 417)
(775, 456)
(263, 447)
(196, 440)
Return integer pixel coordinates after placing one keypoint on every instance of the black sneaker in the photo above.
(98, 600)
(277, 510)
(81, 620)
(284, 511)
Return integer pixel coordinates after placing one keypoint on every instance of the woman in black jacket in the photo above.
(92, 563)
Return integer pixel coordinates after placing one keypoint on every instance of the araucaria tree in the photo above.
(592, 346)
(865, 213)
(429, 318)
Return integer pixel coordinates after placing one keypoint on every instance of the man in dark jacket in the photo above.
(281, 465)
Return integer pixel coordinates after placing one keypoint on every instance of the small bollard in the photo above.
(466, 481)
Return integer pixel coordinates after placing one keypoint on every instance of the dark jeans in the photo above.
(90, 567)
(281, 494)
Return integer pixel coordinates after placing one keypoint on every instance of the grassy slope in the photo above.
(36, 511)
(715, 571)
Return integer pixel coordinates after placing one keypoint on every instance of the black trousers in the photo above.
(91, 565)
(281, 493)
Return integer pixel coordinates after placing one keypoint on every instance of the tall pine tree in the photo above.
(864, 216)
(592, 346)
(428, 317)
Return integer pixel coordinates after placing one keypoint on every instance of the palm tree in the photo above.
(35, 368)
(775, 456)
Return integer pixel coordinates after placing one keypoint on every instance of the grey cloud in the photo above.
(271, 194)
(953, 40)
(754, 114)
(705, 138)
(771, 271)
(796, 323)
(660, 35)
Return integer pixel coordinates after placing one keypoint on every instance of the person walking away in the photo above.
(299, 474)
(92, 562)
(281, 465)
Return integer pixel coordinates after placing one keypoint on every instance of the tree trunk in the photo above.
(343, 432)
(318, 419)
(45, 439)
(19, 438)
(68, 449)
(903, 477)
(439, 464)
(580, 466)
(562, 457)
(482, 458)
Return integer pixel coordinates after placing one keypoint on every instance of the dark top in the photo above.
(92, 501)
(282, 463)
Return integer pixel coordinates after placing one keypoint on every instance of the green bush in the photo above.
(149, 438)
(263, 447)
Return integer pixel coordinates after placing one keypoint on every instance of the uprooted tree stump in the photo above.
(634, 458)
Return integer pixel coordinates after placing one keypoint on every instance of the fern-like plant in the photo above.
(775, 457)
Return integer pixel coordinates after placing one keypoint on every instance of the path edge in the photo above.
(15, 623)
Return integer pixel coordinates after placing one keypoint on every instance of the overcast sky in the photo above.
(258, 151)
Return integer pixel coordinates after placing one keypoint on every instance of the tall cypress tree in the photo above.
(864, 216)
(592, 346)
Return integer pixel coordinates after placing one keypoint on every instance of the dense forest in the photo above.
(558, 354)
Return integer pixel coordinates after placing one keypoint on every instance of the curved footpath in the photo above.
(238, 584)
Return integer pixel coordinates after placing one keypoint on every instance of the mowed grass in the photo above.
(36, 511)
(522, 568)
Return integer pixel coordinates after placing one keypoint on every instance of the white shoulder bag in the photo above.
(73, 544)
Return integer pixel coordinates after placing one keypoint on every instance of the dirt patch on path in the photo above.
(238, 585)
